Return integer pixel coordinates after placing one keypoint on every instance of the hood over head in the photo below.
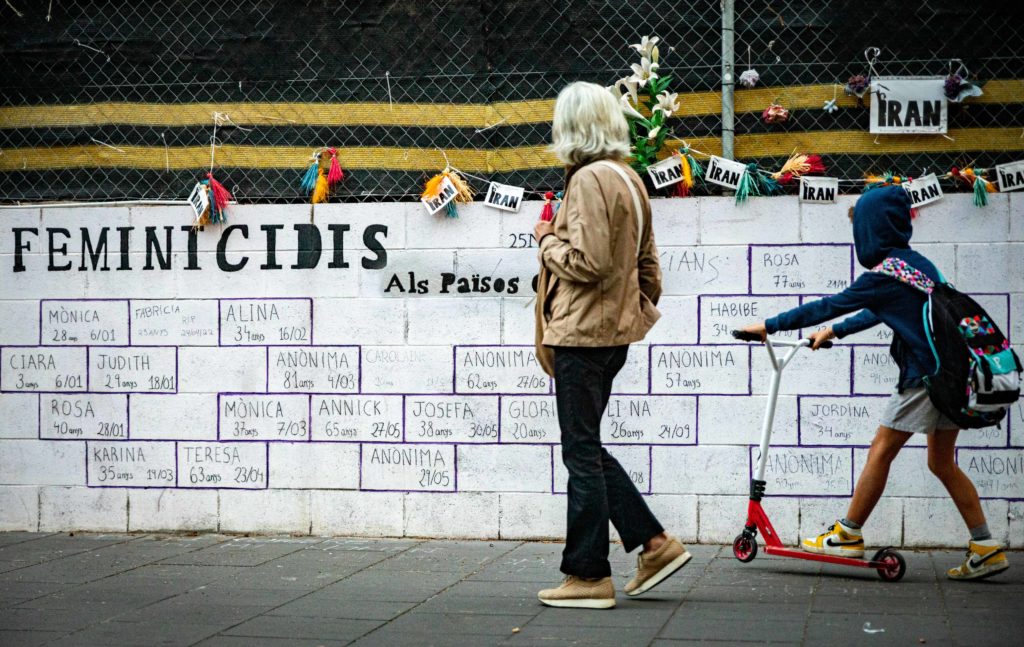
(881, 224)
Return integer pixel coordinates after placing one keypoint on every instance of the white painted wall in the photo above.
(361, 412)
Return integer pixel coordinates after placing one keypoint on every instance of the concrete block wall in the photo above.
(368, 370)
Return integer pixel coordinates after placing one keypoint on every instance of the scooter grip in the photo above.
(743, 335)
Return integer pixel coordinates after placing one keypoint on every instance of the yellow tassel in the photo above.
(320, 192)
(464, 191)
(687, 171)
(432, 188)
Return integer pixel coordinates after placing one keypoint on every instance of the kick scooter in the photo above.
(889, 564)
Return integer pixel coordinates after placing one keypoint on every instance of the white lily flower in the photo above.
(644, 71)
(631, 87)
(668, 103)
(646, 45)
(651, 136)
(628, 108)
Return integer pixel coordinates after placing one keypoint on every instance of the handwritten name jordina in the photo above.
(100, 249)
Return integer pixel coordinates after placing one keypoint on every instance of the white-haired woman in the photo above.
(596, 293)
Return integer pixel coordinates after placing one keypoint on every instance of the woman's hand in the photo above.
(757, 329)
(821, 336)
(542, 229)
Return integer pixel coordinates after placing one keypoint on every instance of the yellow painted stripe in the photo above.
(457, 115)
(493, 160)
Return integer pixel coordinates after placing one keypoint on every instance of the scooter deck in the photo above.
(783, 551)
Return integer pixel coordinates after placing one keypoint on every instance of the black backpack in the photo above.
(978, 375)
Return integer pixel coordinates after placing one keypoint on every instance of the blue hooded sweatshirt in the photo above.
(881, 228)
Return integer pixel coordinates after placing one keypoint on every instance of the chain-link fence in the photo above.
(109, 100)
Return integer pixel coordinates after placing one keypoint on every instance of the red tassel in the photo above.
(680, 190)
(221, 196)
(335, 174)
(786, 178)
(547, 214)
(816, 165)
(913, 213)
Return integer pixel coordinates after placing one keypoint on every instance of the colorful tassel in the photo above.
(888, 178)
(558, 202)
(547, 212)
(309, 177)
(322, 190)
(219, 198)
(798, 165)
(979, 185)
(748, 184)
(335, 174)
(464, 192)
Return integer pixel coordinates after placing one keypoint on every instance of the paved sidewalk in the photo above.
(213, 590)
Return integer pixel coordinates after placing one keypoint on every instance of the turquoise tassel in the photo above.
(980, 192)
(451, 210)
(216, 215)
(769, 185)
(309, 178)
(748, 184)
(696, 170)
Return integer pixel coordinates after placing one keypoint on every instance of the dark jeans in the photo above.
(599, 489)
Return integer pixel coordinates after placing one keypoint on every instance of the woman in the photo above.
(596, 293)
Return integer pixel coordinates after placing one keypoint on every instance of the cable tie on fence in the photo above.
(106, 144)
(89, 47)
(49, 11)
(167, 154)
(387, 77)
(14, 9)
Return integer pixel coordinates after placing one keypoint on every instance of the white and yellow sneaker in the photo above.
(984, 559)
(838, 541)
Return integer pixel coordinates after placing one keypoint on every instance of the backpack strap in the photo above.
(637, 205)
(901, 271)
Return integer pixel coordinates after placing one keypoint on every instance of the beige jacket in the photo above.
(593, 288)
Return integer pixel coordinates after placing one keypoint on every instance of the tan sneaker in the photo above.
(653, 568)
(578, 593)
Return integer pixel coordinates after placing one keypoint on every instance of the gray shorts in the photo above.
(913, 412)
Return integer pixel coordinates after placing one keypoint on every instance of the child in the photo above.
(882, 229)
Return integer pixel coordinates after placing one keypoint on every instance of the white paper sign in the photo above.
(901, 105)
(923, 190)
(725, 172)
(666, 172)
(199, 200)
(446, 195)
(1011, 176)
(504, 197)
(819, 189)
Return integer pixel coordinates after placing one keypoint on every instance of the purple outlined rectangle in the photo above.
(753, 449)
(139, 349)
(82, 376)
(537, 384)
(100, 339)
(353, 379)
(80, 411)
(295, 329)
(258, 437)
(750, 264)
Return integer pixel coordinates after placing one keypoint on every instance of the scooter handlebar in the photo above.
(743, 335)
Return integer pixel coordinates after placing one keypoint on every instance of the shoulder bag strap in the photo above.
(637, 205)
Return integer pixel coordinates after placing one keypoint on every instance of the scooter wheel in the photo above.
(744, 547)
(893, 565)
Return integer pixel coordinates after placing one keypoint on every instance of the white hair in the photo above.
(588, 125)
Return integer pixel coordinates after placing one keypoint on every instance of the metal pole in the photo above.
(728, 81)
